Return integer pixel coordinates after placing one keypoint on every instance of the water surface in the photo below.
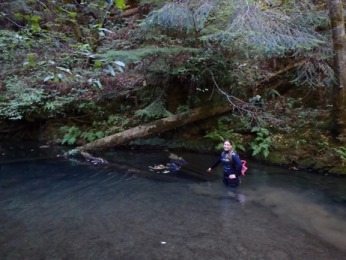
(58, 209)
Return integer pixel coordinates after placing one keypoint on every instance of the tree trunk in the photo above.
(339, 45)
(153, 128)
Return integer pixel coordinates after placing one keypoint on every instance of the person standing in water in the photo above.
(232, 165)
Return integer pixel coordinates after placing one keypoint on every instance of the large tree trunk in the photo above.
(153, 128)
(339, 41)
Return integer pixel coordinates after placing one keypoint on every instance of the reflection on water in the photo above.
(56, 209)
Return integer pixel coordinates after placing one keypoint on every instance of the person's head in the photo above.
(227, 145)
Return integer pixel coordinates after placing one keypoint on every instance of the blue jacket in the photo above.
(231, 165)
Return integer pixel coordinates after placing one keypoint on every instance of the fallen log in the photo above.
(153, 128)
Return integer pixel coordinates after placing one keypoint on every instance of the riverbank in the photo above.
(289, 153)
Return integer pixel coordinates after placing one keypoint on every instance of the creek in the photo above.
(54, 208)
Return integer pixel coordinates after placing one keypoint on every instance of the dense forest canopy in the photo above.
(100, 67)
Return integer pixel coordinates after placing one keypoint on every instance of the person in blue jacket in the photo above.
(232, 165)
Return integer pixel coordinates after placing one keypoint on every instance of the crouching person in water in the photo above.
(232, 165)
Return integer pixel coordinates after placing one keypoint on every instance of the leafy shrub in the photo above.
(91, 135)
(224, 132)
(341, 151)
(71, 134)
(262, 142)
(183, 110)
(19, 99)
(153, 111)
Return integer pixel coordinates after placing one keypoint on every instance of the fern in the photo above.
(224, 132)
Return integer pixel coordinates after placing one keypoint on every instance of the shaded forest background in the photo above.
(77, 71)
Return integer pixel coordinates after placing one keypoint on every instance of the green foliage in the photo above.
(341, 151)
(267, 32)
(223, 132)
(146, 53)
(90, 107)
(12, 45)
(30, 61)
(98, 129)
(101, 60)
(121, 4)
(240, 43)
(180, 16)
(256, 34)
(262, 142)
(71, 134)
(33, 22)
(56, 33)
(245, 35)
(56, 104)
(259, 30)
(155, 110)
(124, 108)
(323, 145)
(115, 124)
(112, 119)
(272, 94)
(116, 120)
(19, 99)
(183, 110)
(315, 71)
(91, 135)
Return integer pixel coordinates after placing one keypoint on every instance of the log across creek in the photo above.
(147, 130)
(153, 128)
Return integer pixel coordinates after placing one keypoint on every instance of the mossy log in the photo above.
(154, 128)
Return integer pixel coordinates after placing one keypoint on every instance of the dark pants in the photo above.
(231, 182)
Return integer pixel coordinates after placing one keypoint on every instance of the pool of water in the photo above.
(53, 208)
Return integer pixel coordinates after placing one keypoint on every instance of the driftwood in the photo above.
(153, 128)
(185, 170)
